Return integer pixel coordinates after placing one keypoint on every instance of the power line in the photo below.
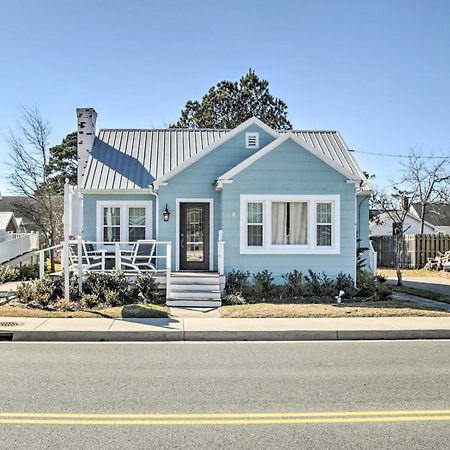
(398, 156)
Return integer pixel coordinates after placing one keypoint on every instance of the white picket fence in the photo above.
(16, 244)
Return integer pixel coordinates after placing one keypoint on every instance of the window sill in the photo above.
(290, 251)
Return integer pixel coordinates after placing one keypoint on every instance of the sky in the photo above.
(377, 71)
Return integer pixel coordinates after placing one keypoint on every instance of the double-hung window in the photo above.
(290, 224)
(121, 221)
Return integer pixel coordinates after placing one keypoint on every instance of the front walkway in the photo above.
(195, 313)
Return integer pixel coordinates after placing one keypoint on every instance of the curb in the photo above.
(221, 336)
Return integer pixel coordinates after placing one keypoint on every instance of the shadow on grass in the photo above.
(133, 311)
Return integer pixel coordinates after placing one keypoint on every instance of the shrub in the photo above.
(237, 282)
(294, 284)
(320, 284)
(25, 292)
(63, 304)
(89, 301)
(366, 284)
(384, 292)
(263, 286)
(234, 299)
(148, 287)
(344, 282)
(8, 273)
(112, 298)
(28, 272)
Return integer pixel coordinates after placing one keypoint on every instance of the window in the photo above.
(136, 224)
(123, 221)
(324, 224)
(111, 224)
(273, 224)
(289, 223)
(251, 140)
(255, 224)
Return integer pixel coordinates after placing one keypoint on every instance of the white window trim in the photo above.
(311, 248)
(248, 136)
(211, 229)
(124, 205)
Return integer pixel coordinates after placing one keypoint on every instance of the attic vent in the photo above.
(251, 140)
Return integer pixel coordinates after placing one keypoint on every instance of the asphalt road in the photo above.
(274, 395)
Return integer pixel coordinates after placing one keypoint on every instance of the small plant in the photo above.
(294, 284)
(234, 299)
(148, 288)
(320, 284)
(63, 304)
(8, 273)
(263, 285)
(89, 301)
(384, 292)
(112, 298)
(237, 282)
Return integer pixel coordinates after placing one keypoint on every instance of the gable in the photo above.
(293, 142)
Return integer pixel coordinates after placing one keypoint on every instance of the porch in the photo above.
(15, 246)
(189, 289)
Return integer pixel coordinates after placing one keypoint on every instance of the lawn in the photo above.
(117, 312)
(413, 273)
(390, 308)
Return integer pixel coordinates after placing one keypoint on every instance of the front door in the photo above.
(194, 236)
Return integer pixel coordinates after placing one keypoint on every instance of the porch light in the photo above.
(166, 214)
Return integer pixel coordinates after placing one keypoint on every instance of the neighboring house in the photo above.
(9, 223)
(279, 200)
(437, 220)
(19, 205)
(437, 215)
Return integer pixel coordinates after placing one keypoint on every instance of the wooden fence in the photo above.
(416, 249)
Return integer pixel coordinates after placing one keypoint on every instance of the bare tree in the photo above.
(28, 177)
(396, 206)
(429, 177)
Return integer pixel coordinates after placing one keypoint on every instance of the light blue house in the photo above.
(250, 198)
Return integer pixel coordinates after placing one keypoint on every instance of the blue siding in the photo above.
(90, 210)
(196, 181)
(289, 169)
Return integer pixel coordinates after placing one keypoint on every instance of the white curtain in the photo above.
(108, 223)
(279, 222)
(298, 223)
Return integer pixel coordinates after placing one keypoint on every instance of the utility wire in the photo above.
(397, 156)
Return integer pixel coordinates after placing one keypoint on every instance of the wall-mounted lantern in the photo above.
(166, 214)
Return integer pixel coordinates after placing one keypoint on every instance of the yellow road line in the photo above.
(226, 421)
(222, 415)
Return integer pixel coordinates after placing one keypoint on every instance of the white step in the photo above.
(194, 303)
(195, 287)
(199, 295)
(197, 280)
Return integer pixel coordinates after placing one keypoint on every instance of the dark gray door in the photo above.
(194, 236)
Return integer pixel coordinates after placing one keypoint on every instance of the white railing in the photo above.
(46, 253)
(373, 259)
(17, 244)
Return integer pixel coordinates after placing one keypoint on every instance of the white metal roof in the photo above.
(128, 159)
(5, 219)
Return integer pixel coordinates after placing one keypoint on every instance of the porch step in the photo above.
(195, 289)
(201, 295)
(189, 302)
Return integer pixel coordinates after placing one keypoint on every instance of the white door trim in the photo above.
(211, 229)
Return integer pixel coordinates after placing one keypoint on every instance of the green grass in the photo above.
(424, 293)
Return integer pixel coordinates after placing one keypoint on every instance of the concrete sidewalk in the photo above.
(212, 329)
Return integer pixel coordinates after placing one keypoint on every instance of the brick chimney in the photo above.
(85, 137)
